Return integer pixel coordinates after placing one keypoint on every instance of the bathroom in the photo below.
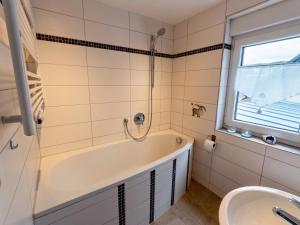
(149, 112)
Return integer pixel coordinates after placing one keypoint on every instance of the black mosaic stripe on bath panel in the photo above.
(188, 170)
(71, 41)
(152, 195)
(121, 204)
(173, 182)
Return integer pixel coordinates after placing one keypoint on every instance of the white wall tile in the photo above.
(179, 64)
(178, 92)
(63, 75)
(108, 76)
(241, 142)
(56, 149)
(202, 94)
(210, 77)
(180, 45)
(239, 156)
(166, 65)
(58, 24)
(178, 78)
(166, 46)
(238, 174)
(6, 69)
(139, 62)
(201, 173)
(97, 11)
(180, 29)
(166, 78)
(282, 173)
(66, 95)
(202, 156)
(102, 94)
(207, 19)
(165, 92)
(176, 119)
(141, 41)
(284, 154)
(55, 116)
(65, 134)
(106, 127)
(68, 7)
(57, 53)
(141, 77)
(234, 6)
(108, 138)
(107, 58)
(206, 60)
(269, 183)
(211, 36)
(106, 34)
(149, 26)
(110, 110)
(223, 183)
(177, 106)
(198, 125)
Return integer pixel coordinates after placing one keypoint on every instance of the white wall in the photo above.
(201, 78)
(89, 91)
(18, 168)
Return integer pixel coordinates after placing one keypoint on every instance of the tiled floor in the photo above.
(198, 206)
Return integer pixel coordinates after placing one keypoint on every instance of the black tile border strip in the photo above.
(188, 171)
(152, 195)
(72, 41)
(121, 204)
(173, 182)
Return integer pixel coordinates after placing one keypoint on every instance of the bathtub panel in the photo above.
(159, 211)
(138, 194)
(77, 207)
(137, 215)
(137, 180)
(162, 198)
(94, 215)
(181, 173)
(163, 179)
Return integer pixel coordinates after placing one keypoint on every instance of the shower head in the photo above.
(161, 32)
(154, 38)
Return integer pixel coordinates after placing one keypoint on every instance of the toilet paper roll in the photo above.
(209, 145)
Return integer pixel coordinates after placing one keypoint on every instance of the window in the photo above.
(264, 93)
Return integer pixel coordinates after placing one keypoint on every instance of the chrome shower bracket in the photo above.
(11, 119)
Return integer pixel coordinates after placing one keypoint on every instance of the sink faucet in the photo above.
(286, 216)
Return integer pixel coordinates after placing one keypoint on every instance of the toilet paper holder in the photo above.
(212, 137)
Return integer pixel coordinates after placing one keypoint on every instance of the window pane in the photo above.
(283, 115)
(283, 51)
(268, 93)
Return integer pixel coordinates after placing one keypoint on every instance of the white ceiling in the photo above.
(168, 11)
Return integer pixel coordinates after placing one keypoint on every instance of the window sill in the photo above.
(277, 146)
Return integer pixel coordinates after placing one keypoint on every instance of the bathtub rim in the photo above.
(39, 212)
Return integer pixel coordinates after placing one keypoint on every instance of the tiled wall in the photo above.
(201, 79)
(18, 168)
(90, 90)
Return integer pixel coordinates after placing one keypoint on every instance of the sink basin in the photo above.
(253, 206)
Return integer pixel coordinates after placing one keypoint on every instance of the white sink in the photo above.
(253, 206)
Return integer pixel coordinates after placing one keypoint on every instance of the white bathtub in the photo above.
(72, 183)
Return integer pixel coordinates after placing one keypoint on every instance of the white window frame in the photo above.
(275, 33)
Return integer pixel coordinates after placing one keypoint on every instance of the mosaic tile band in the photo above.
(71, 41)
